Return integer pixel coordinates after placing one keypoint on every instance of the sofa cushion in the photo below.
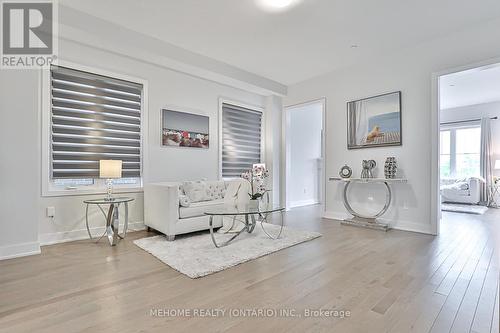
(216, 190)
(196, 190)
(458, 186)
(199, 208)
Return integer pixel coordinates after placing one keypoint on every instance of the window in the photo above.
(460, 152)
(241, 139)
(445, 154)
(93, 117)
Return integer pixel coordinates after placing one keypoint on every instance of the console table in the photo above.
(367, 221)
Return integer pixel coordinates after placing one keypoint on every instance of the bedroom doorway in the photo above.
(304, 154)
(468, 143)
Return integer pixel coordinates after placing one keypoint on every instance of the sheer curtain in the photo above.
(486, 151)
(361, 123)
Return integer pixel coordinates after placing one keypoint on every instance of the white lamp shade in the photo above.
(110, 169)
(497, 165)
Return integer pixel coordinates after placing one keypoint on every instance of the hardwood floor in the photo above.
(390, 282)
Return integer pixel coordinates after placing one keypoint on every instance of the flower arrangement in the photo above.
(256, 177)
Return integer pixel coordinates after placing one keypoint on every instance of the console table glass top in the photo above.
(370, 180)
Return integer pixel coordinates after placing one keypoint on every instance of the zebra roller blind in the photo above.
(93, 117)
(241, 139)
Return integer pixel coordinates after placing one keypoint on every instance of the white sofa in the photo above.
(163, 212)
(467, 191)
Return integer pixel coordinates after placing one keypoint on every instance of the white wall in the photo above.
(474, 112)
(166, 87)
(303, 136)
(23, 223)
(411, 72)
(19, 173)
(273, 152)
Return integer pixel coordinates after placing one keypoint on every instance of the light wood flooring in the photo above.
(390, 282)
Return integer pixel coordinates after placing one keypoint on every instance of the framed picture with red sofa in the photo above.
(184, 129)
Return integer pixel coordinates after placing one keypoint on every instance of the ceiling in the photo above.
(311, 38)
(471, 87)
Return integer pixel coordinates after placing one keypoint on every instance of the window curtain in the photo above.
(486, 151)
(358, 123)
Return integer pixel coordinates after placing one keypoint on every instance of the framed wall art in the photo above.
(183, 129)
(374, 121)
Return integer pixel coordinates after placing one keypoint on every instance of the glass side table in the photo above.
(494, 192)
(112, 217)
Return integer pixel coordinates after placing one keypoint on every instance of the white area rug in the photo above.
(197, 256)
(459, 208)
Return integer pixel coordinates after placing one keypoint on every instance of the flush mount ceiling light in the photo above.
(276, 5)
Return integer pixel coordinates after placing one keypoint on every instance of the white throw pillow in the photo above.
(184, 201)
(216, 190)
(196, 190)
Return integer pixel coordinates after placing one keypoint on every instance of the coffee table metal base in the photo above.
(249, 225)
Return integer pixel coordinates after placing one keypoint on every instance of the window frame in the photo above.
(49, 189)
(222, 101)
(453, 145)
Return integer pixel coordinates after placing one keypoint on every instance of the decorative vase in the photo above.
(254, 204)
(390, 168)
(368, 166)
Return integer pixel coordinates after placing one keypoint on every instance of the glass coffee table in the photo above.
(249, 217)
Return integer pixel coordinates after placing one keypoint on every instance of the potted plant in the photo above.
(256, 177)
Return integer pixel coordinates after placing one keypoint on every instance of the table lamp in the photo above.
(110, 169)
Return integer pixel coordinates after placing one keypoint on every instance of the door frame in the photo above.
(286, 149)
(435, 128)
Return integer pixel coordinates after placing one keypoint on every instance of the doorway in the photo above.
(304, 154)
(467, 137)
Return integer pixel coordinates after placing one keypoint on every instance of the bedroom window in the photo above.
(460, 152)
(93, 117)
(241, 139)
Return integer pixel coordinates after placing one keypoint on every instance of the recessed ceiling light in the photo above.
(276, 5)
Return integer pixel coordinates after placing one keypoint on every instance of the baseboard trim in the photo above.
(302, 203)
(19, 250)
(330, 215)
(74, 235)
(398, 225)
(409, 226)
